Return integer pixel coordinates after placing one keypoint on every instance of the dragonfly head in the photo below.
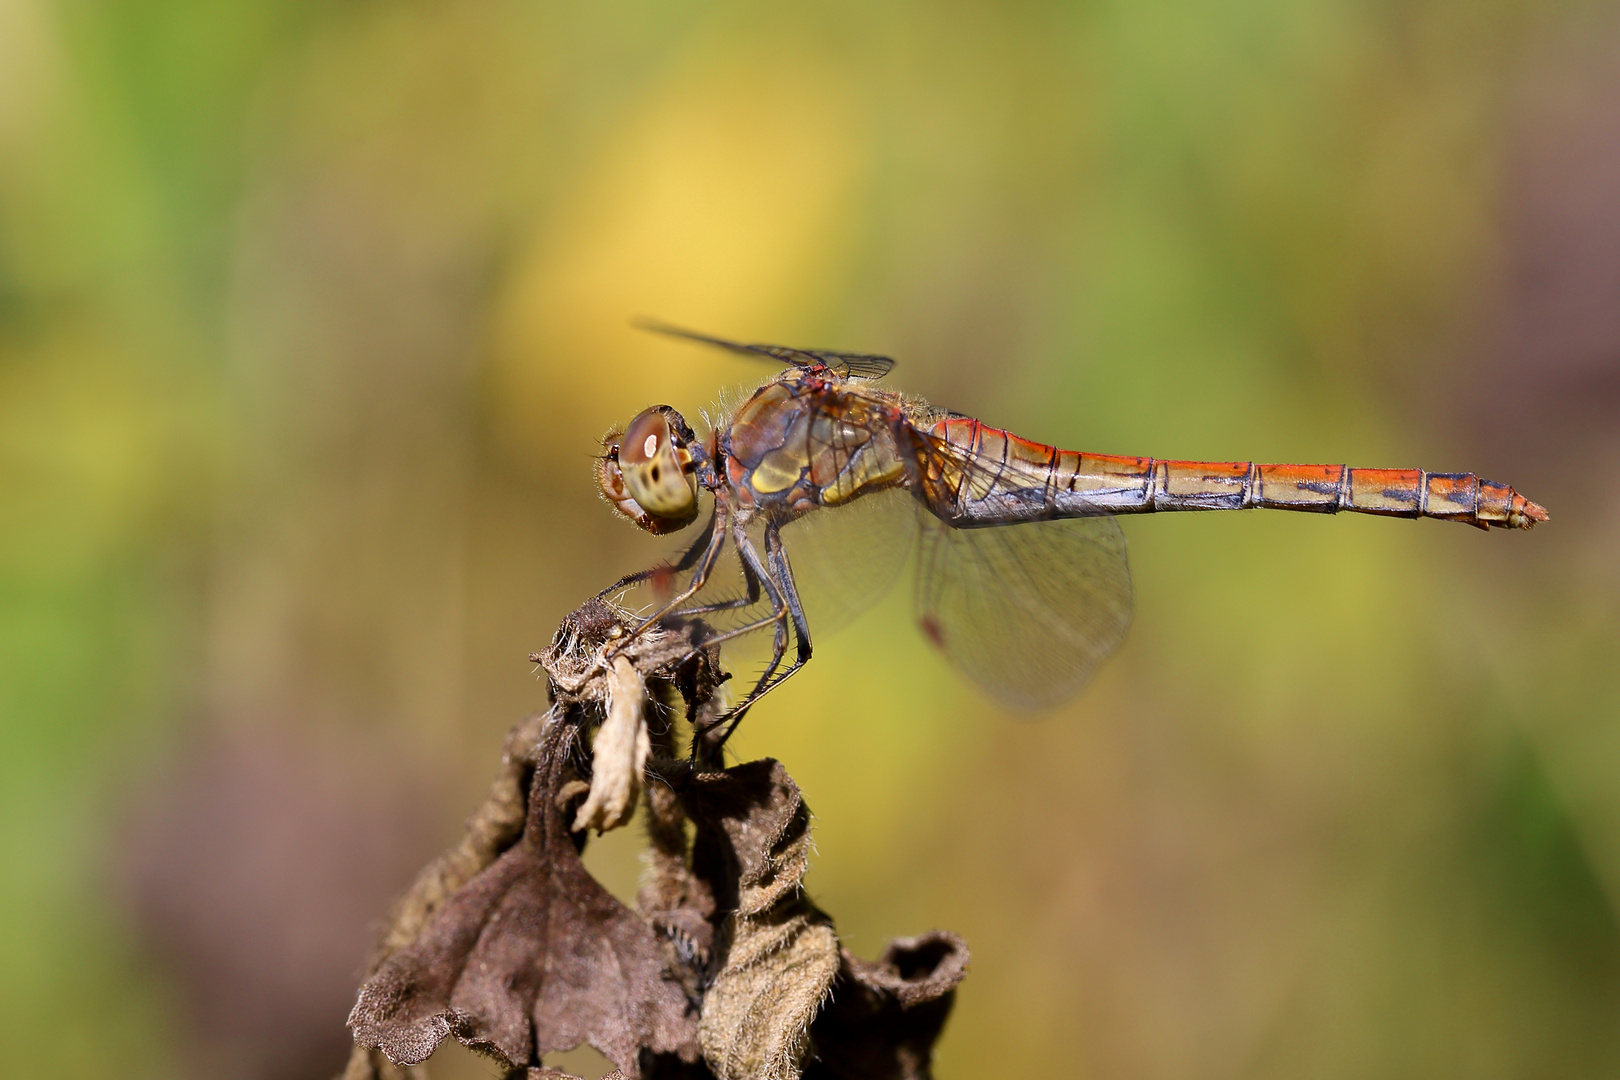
(648, 473)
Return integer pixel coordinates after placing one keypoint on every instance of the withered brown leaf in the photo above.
(509, 945)
(530, 956)
(883, 1018)
(779, 951)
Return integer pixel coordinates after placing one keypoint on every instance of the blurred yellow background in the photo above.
(311, 316)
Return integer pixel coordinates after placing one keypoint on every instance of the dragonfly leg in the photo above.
(781, 574)
(735, 632)
(741, 603)
(760, 579)
(779, 618)
(686, 562)
(779, 610)
(777, 555)
(709, 554)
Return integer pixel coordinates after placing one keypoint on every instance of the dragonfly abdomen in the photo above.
(1328, 489)
(1013, 479)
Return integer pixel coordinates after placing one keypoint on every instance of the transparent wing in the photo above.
(845, 558)
(1027, 611)
(853, 365)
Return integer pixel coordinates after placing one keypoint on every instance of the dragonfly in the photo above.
(1022, 577)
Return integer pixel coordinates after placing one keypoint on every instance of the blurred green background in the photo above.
(312, 314)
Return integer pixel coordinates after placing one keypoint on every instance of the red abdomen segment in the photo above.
(987, 476)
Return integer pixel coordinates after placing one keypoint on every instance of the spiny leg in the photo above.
(782, 574)
(731, 716)
(777, 554)
(757, 580)
(734, 632)
(779, 610)
(685, 563)
(700, 577)
(779, 618)
(741, 603)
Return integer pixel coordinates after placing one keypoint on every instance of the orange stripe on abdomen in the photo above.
(1015, 479)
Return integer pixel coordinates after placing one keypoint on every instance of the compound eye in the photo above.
(646, 437)
(654, 462)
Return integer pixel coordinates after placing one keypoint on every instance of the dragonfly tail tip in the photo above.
(1529, 515)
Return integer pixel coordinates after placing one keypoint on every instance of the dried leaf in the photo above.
(530, 956)
(675, 901)
(618, 754)
(884, 1017)
(780, 954)
(491, 829)
(508, 944)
